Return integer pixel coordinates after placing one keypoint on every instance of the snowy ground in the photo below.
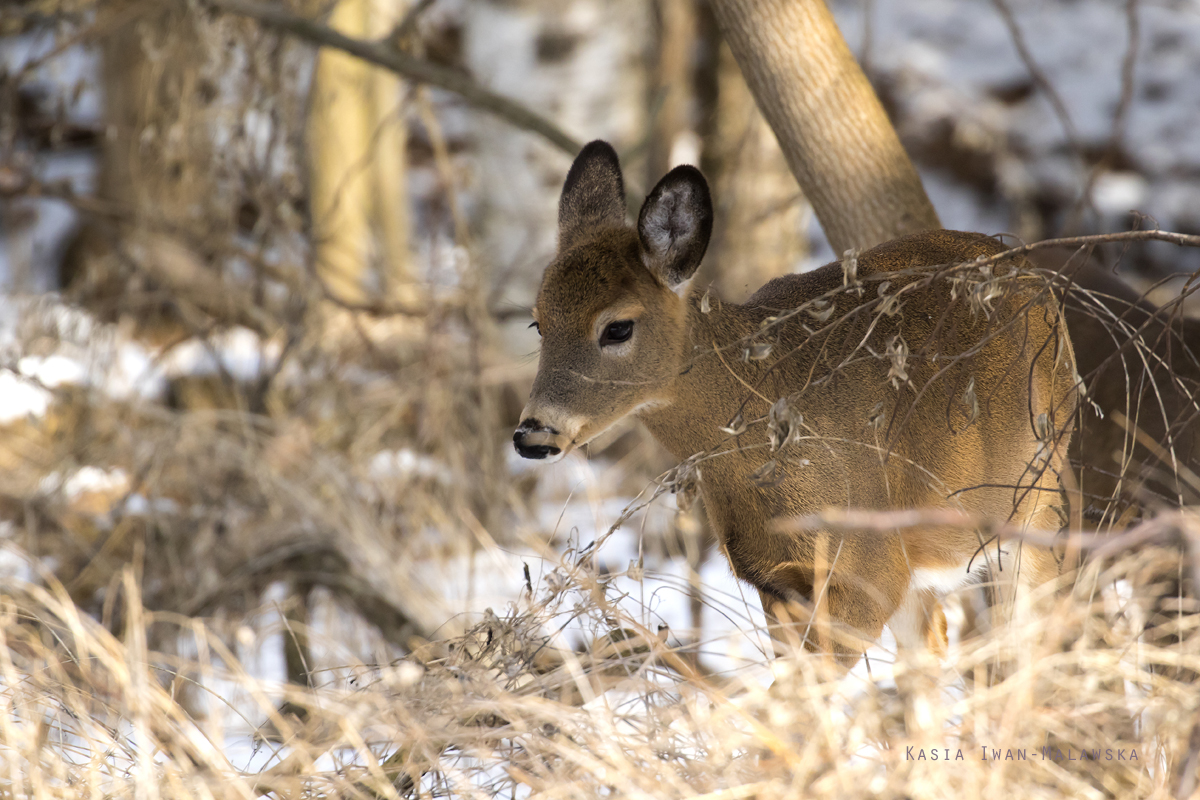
(954, 62)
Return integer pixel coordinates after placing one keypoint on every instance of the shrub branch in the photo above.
(383, 54)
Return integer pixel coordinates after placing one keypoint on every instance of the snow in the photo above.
(407, 463)
(240, 352)
(20, 399)
(953, 61)
(1119, 192)
(15, 567)
(138, 505)
(95, 479)
(133, 373)
(85, 353)
(105, 358)
(51, 371)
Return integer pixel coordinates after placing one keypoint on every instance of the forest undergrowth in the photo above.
(1101, 701)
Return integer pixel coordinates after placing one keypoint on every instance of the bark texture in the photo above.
(833, 130)
(761, 213)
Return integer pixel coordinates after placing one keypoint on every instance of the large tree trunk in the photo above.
(835, 134)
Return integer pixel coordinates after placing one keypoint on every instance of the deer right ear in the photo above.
(593, 194)
(674, 226)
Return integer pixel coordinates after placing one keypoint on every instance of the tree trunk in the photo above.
(357, 176)
(832, 128)
(390, 176)
(157, 171)
(759, 231)
(671, 92)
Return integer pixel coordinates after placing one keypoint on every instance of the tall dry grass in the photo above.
(1102, 702)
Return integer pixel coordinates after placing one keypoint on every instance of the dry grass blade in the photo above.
(85, 712)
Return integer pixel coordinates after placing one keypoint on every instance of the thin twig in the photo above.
(1181, 239)
(1120, 116)
(1039, 76)
(415, 69)
(1042, 81)
(1128, 64)
(725, 364)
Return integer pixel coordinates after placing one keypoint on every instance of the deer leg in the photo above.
(843, 617)
(1022, 569)
(919, 625)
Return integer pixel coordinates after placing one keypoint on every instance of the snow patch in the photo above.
(1120, 192)
(53, 371)
(140, 505)
(21, 399)
(96, 479)
(238, 351)
(407, 463)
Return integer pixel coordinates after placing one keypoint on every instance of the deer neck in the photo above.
(711, 385)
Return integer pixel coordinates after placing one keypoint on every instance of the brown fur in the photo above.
(863, 443)
(1139, 361)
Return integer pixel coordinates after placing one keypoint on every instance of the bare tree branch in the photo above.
(1039, 77)
(415, 69)
(1181, 239)
(1059, 106)
(1120, 116)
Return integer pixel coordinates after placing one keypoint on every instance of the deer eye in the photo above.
(536, 327)
(617, 332)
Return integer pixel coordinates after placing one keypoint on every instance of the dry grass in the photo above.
(500, 711)
(132, 664)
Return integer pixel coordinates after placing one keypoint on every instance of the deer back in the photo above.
(924, 386)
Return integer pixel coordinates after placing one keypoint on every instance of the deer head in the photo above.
(611, 310)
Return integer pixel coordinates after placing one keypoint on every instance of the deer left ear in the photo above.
(593, 195)
(674, 226)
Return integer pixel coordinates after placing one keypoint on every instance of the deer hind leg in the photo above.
(919, 625)
(1012, 595)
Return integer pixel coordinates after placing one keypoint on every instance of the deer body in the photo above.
(1141, 365)
(955, 423)
(1137, 361)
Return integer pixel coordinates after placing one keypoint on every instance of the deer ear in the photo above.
(593, 194)
(674, 226)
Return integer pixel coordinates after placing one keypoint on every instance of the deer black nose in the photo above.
(534, 440)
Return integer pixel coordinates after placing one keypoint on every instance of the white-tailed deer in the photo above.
(1138, 437)
(888, 382)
